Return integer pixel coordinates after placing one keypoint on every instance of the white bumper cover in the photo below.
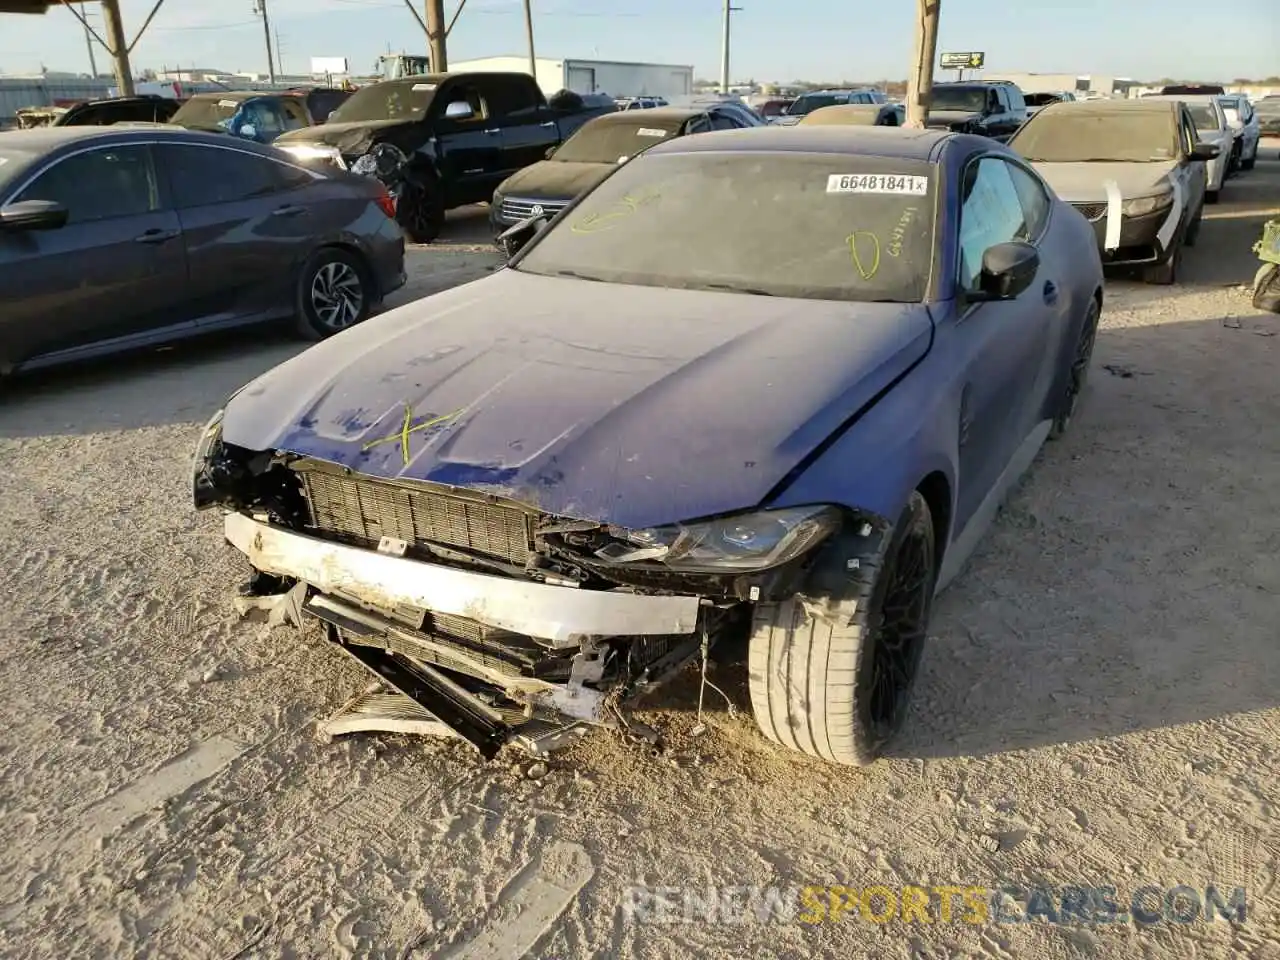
(559, 614)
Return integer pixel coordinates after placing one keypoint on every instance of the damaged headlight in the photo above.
(315, 152)
(749, 541)
(209, 442)
(1141, 206)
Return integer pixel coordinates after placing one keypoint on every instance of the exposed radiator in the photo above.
(370, 509)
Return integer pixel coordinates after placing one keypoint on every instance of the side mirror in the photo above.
(1007, 270)
(550, 152)
(1205, 151)
(248, 131)
(784, 109)
(459, 110)
(33, 215)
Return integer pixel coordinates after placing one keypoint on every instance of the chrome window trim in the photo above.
(231, 148)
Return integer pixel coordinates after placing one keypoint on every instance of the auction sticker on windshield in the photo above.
(650, 132)
(877, 183)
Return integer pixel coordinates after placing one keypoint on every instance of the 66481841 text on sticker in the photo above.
(877, 183)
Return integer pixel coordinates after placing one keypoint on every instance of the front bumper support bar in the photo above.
(562, 615)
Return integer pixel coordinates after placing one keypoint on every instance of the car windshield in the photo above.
(12, 164)
(1067, 135)
(1203, 117)
(615, 140)
(206, 113)
(969, 99)
(812, 101)
(817, 227)
(389, 100)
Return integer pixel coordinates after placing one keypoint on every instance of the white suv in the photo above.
(1245, 126)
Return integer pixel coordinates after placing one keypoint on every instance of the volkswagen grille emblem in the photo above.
(536, 210)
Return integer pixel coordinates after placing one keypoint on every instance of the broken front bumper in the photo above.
(562, 615)
(358, 593)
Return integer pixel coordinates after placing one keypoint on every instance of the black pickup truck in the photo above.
(442, 140)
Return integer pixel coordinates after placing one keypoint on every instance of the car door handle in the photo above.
(549, 123)
(1050, 292)
(493, 132)
(156, 235)
(288, 210)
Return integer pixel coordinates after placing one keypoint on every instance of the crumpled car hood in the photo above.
(1086, 182)
(555, 179)
(625, 404)
(350, 138)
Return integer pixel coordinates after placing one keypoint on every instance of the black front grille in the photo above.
(369, 509)
(1091, 211)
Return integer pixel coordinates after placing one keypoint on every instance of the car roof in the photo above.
(652, 115)
(48, 139)
(1187, 97)
(844, 113)
(1145, 105)
(900, 142)
(245, 94)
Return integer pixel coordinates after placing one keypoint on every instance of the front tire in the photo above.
(334, 293)
(831, 669)
(1078, 375)
(420, 213)
(1164, 274)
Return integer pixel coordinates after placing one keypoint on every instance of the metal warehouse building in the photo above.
(615, 78)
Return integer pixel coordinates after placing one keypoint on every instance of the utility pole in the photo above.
(113, 26)
(279, 56)
(436, 35)
(528, 31)
(88, 42)
(724, 48)
(920, 80)
(260, 8)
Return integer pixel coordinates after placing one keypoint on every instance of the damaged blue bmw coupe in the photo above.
(771, 383)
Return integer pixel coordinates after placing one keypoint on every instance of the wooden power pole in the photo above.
(113, 26)
(435, 36)
(920, 80)
(528, 32)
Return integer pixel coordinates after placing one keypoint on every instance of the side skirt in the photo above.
(964, 545)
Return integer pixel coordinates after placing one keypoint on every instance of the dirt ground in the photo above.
(1100, 702)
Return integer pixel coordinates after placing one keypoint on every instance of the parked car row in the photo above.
(853, 341)
(1139, 171)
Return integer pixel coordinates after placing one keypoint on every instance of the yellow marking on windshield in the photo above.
(867, 273)
(900, 232)
(595, 222)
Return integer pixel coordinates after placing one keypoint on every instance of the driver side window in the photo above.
(990, 213)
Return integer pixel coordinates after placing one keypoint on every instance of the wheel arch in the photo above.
(353, 247)
(936, 490)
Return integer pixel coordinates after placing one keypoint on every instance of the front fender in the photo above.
(909, 434)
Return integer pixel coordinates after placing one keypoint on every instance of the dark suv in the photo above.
(993, 110)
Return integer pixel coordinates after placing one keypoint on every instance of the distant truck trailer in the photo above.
(612, 77)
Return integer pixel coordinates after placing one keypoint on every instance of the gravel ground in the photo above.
(1099, 703)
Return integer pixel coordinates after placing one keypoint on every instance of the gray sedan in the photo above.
(117, 238)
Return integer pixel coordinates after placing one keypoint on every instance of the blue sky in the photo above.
(773, 39)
